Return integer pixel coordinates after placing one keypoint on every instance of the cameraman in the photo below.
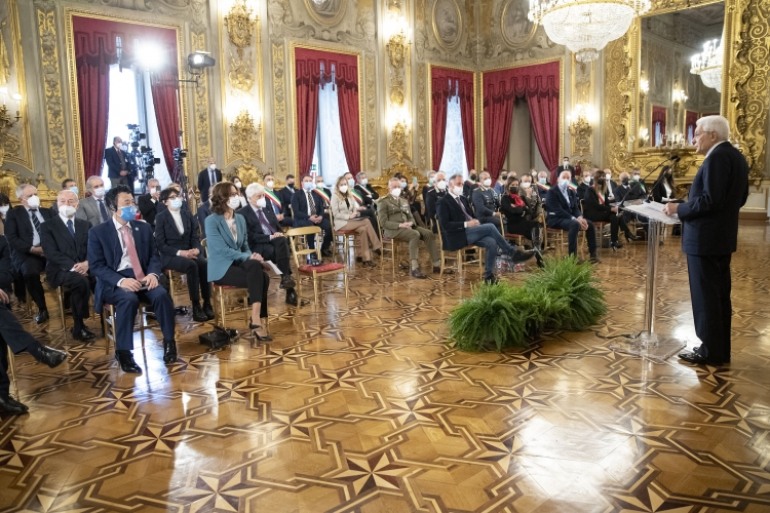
(119, 167)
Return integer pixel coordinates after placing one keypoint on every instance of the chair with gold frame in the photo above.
(301, 250)
(220, 295)
(460, 256)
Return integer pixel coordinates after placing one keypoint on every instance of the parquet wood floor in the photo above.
(365, 408)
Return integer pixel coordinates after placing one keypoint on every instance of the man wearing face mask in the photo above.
(486, 202)
(266, 238)
(460, 229)
(365, 190)
(177, 238)
(208, 177)
(585, 184)
(398, 223)
(68, 184)
(92, 208)
(119, 167)
(500, 183)
(286, 194)
(274, 203)
(565, 166)
(65, 242)
(126, 264)
(612, 185)
(23, 228)
(564, 213)
(150, 204)
(434, 195)
(308, 208)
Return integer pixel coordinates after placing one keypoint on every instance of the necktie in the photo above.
(459, 202)
(71, 227)
(128, 242)
(35, 220)
(103, 210)
(264, 222)
(213, 179)
(311, 203)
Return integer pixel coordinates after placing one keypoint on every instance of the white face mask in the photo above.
(261, 203)
(565, 163)
(237, 184)
(343, 189)
(636, 178)
(67, 211)
(563, 183)
(364, 181)
(395, 192)
(175, 204)
(487, 182)
(587, 181)
(4, 209)
(320, 185)
(403, 184)
(457, 190)
(351, 182)
(441, 185)
(269, 184)
(526, 185)
(234, 202)
(98, 192)
(33, 201)
(308, 186)
(212, 167)
(542, 180)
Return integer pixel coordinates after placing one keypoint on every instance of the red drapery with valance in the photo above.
(659, 116)
(308, 64)
(95, 51)
(539, 85)
(690, 118)
(445, 83)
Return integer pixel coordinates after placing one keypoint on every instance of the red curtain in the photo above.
(540, 86)
(659, 116)
(446, 83)
(95, 51)
(308, 65)
(164, 100)
(690, 118)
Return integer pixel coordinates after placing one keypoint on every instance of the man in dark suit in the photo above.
(208, 177)
(14, 335)
(564, 213)
(23, 226)
(178, 239)
(286, 194)
(266, 238)
(460, 229)
(119, 167)
(123, 258)
(275, 203)
(366, 191)
(565, 166)
(65, 242)
(150, 204)
(308, 209)
(710, 235)
(204, 209)
(432, 198)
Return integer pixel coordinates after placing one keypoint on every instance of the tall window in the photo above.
(453, 160)
(329, 156)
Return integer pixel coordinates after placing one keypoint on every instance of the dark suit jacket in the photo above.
(104, 252)
(6, 271)
(256, 235)
(286, 194)
(558, 170)
(149, 209)
(369, 194)
(169, 240)
(558, 207)
(452, 220)
(593, 209)
(112, 157)
(204, 182)
(204, 210)
(659, 192)
(710, 214)
(432, 198)
(62, 251)
(299, 206)
(18, 229)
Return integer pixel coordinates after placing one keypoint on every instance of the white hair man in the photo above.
(92, 208)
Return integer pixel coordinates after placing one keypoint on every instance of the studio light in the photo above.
(198, 61)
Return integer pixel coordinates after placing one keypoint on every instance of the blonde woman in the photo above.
(347, 217)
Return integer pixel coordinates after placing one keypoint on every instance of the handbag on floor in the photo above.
(218, 337)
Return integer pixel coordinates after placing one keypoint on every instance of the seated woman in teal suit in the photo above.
(229, 261)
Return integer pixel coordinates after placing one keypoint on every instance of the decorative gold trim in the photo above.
(327, 20)
(280, 110)
(22, 155)
(447, 45)
(202, 116)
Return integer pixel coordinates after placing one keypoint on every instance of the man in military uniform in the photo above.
(398, 223)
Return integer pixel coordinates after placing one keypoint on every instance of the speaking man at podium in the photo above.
(709, 236)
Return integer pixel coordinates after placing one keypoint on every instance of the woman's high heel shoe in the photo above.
(255, 328)
(615, 245)
(630, 237)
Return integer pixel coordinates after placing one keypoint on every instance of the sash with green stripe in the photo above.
(357, 196)
(323, 194)
(273, 199)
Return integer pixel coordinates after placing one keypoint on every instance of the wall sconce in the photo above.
(6, 120)
(644, 86)
(678, 95)
(240, 25)
(399, 123)
(397, 47)
(644, 135)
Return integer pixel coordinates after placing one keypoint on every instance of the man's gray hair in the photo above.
(90, 182)
(20, 189)
(254, 188)
(717, 124)
(394, 180)
(64, 193)
(454, 177)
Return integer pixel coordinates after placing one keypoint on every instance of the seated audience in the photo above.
(347, 215)
(437, 192)
(531, 197)
(148, 203)
(204, 210)
(5, 206)
(427, 187)
(13, 335)
(274, 202)
(611, 185)
(178, 239)
(597, 208)
(542, 185)
(585, 184)
(664, 190)
(231, 262)
(65, 243)
(123, 258)
(485, 201)
(308, 207)
(241, 188)
(92, 207)
(520, 216)
(410, 194)
(366, 191)
(286, 194)
(460, 229)
(500, 183)
(564, 213)
(365, 211)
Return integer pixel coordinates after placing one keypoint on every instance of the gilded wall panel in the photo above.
(15, 141)
(280, 126)
(423, 114)
(371, 125)
(202, 115)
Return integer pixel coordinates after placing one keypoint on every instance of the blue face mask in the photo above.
(128, 213)
(563, 184)
(75, 189)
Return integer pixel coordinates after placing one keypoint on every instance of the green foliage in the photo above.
(561, 296)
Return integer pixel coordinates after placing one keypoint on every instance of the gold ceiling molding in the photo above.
(202, 115)
(745, 102)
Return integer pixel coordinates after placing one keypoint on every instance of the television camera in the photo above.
(142, 157)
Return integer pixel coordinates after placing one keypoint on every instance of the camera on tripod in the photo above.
(143, 156)
(180, 154)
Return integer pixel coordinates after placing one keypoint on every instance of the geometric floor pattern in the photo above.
(366, 407)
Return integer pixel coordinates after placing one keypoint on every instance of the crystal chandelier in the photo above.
(708, 64)
(585, 27)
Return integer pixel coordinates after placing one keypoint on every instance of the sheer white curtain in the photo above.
(329, 158)
(453, 160)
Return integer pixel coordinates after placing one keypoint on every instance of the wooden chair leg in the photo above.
(12, 372)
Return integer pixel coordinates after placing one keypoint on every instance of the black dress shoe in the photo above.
(17, 403)
(594, 259)
(287, 282)
(437, 269)
(50, 356)
(698, 359)
(169, 352)
(522, 256)
(209, 311)
(490, 279)
(9, 408)
(127, 363)
(41, 317)
(198, 314)
(416, 273)
(326, 252)
(293, 299)
(83, 334)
